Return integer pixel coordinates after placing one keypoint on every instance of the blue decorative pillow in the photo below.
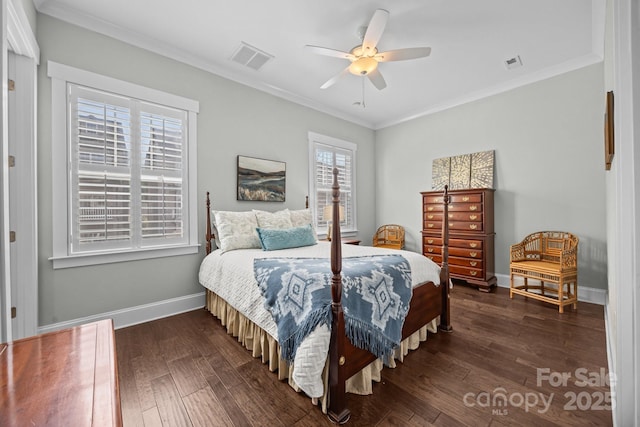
(273, 239)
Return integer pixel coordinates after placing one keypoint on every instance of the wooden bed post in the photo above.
(207, 234)
(445, 317)
(338, 412)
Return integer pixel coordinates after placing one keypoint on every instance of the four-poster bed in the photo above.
(429, 301)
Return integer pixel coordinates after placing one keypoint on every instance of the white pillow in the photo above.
(237, 230)
(279, 220)
(302, 217)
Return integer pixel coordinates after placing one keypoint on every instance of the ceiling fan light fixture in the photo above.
(363, 66)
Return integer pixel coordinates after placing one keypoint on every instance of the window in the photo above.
(325, 154)
(124, 178)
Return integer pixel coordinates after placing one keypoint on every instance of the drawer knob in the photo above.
(473, 273)
(473, 226)
(429, 216)
(430, 241)
(473, 254)
(473, 208)
(465, 199)
(473, 245)
(430, 208)
(430, 250)
(430, 225)
(473, 263)
(473, 217)
(450, 215)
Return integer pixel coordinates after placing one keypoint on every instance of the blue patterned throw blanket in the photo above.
(376, 291)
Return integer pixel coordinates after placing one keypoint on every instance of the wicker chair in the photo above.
(389, 236)
(550, 257)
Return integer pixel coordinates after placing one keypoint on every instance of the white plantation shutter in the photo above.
(128, 172)
(326, 154)
(162, 148)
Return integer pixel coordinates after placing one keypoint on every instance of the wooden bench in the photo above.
(551, 258)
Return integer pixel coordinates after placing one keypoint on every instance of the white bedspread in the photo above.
(230, 276)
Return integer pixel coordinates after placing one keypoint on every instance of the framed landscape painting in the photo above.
(261, 180)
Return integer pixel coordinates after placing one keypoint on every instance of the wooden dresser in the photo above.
(471, 234)
(62, 378)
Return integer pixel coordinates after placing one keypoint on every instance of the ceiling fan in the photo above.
(365, 57)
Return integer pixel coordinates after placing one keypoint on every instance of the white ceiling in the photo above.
(470, 41)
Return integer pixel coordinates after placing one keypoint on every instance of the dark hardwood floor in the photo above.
(508, 362)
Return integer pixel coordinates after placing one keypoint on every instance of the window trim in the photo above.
(61, 75)
(316, 138)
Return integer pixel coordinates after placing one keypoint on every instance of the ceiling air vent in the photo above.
(514, 62)
(250, 56)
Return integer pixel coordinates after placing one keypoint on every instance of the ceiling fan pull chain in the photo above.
(363, 104)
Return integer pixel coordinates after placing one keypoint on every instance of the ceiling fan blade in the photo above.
(403, 54)
(374, 31)
(330, 52)
(376, 78)
(335, 78)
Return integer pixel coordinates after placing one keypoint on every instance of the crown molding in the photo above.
(136, 39)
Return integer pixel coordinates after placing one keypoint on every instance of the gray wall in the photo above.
(549, 164)
(234, 119)
(30, 12)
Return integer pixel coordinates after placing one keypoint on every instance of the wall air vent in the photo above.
(250, 56)
(514, 62)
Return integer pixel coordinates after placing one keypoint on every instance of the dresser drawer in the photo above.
(466, 262)
(431, 240)
(466, 207)
(453, 198)
(466, 271)
(453, 243)
(466, 253)
(435, 258)
(464, 216)
(468, 244)
(465, 198)
(431, 250)
(465, 225)
(433, 225)
(434, 216)
(433, 208)
(453, 225)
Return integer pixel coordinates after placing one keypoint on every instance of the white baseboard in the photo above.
(135, 315)
(585, 294)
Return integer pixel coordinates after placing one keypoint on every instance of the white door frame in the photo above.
(16, 35)
(22, 195)
(626, 273)
(5, 273)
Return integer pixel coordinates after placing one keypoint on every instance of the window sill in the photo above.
(348, 233)
(97, 258)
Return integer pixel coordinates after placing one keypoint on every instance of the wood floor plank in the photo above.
(186, 375)
(253, 408)
(130, 404)
(151, 418)
(205, 410)
(228, 403)
(274, 393)
(145, 371)
(169, 403)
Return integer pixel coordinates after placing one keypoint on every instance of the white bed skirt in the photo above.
(264, 346)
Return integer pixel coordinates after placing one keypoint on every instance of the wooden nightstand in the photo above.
(351, 241)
